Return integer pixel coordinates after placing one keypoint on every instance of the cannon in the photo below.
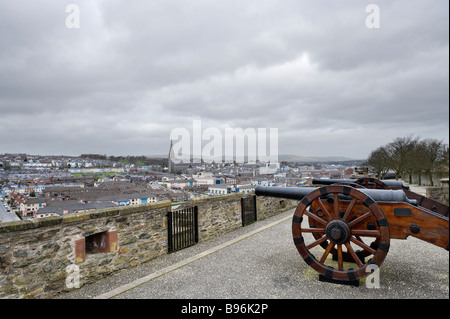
(366, 182)
(373, 183)
(354, 226)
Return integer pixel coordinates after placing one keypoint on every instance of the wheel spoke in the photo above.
(313, 230)
(349, 209)
(363, 246)
(336, 205)
(317, 242)
(324, 209)
(352, 252)
(359, 219)
(327, 251)
(315, 217)
(340, 258)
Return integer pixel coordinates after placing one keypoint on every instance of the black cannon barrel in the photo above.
(392, 183)
(297, 193)
(324, 181)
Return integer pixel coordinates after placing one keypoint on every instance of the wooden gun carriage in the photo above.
(354, 220)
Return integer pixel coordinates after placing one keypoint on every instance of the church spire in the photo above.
(171, 156)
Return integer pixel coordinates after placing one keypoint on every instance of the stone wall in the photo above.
(425, 178)
(440, 193)
(222, 214)
(35, 255)
(268, 207)
(43, 257)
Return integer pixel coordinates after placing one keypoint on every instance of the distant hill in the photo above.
(296, 158)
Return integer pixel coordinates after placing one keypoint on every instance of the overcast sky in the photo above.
(135, 70)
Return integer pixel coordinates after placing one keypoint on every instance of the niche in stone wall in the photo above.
(96, 243)
(103, 242)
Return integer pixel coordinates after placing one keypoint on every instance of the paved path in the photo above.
(421, 190)
(260, 261)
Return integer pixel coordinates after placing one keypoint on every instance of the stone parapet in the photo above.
(44, 257)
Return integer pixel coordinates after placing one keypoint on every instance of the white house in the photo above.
(245, 189)
(263, 182)
(222, 189)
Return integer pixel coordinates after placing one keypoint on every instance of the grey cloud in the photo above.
(137, 69)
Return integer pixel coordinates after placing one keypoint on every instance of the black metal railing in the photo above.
(182, 228)
(248, 207)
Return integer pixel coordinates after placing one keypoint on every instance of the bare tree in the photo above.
(379, 161)
(410, 155)
(434, 154)
(401, 151)
(419, 160)
(414, 164)
(445, 159)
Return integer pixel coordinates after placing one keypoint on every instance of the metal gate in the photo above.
(248, 205)
(182, 228)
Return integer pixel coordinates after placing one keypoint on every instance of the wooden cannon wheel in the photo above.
(312, 223)
(361, 253)
(346, 212)
(371, 183)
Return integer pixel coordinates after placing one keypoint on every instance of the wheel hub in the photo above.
(338, 231)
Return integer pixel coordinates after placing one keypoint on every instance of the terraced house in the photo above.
(64, 208)
(130, 199)
(29, 206)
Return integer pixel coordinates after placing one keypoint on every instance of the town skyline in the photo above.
(282, 157)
